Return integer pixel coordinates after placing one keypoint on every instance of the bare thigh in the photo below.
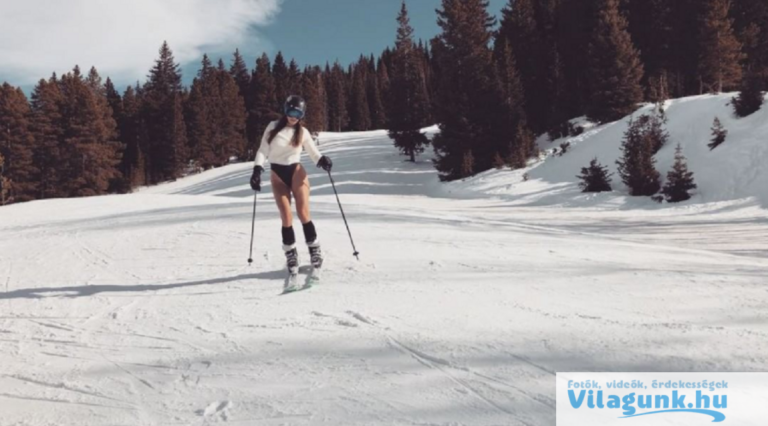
(282, 196)
(301, 192)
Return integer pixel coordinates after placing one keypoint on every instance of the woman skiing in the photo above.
(282, 144)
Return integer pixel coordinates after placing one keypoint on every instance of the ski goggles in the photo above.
(295, 113)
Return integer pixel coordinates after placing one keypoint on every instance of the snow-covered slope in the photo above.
(736, 170)
(141, 309)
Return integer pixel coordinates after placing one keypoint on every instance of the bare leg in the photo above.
(283, 199)
(301, 192)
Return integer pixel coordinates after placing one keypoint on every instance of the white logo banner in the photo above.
(679, 399)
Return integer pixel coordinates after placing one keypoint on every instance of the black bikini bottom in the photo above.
(285, 173)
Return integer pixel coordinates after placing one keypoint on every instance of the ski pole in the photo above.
(253, 224)
(356, 253)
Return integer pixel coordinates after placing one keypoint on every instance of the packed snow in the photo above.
(468, 297)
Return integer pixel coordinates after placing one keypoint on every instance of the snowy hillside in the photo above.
(468, 297)
(736, 170)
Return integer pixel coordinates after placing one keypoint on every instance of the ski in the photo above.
(292, 284)
(314, 275)
(297, 289)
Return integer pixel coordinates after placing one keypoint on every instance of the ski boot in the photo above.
(292, 263)
(316, 258)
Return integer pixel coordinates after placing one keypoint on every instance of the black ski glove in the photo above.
(256, 178)
(325, 163)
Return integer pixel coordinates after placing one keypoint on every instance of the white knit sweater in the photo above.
(280, 151)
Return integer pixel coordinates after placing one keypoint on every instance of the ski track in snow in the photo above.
(467, 299)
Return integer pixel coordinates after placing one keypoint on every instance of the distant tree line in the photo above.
(491, 86)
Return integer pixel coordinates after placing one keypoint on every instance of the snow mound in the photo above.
(736, 170)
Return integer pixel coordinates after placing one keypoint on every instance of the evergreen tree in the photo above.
(231, 119)
(122, 184)
(262, 110)
(386, 58)
(323, 93)
(679, 179)
(651, 29)
(371, 62)
(498, 161)
(326, 76)
(360, 110)
(408, 92)
(281, 77)
(652, 127)
(131, 128)
(101, 96)
(519, 32)
(166, 150)
(239, 71)
(375, 102)
(751, 97)
(177, 151)
(637, 165)
(557, 109)
(719, 134)
(89, 150)
(469, 107)
(294, 79)
(468, 164)
(595, 178)
(109, 107)
(5, 184)
(207, 70)
(615, 67)
(514, 102)
(657, 87)
(521, 147)
(435, 62)
(683, 78)
(338, 117)
(720, 50)
(349, 85)
(314, 94)
(199, 117)
(528, 30)
(751, 27)
(93, 81)
(382, 75)
(47, 129)
(576, 21)
(114, 100)
(16, 146)
(164, 77)
(216, 117)
(429, 79)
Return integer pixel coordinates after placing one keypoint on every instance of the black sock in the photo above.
(289, 238)
(310, 235)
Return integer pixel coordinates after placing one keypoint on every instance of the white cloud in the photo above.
(120, 38)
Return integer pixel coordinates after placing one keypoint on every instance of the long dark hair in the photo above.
(282, 124)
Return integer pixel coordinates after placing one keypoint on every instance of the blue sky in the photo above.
(121, 37)
(316, 31)
(320, 30)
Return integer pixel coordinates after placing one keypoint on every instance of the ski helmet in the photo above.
(295, 106)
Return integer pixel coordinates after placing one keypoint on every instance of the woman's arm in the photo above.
(263, 152)
(310, 147)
